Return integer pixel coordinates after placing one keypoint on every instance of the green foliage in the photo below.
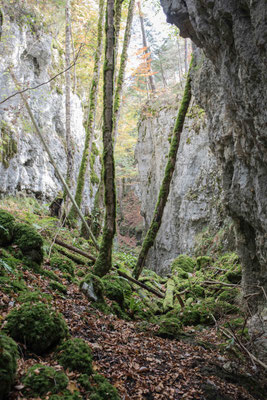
(40, 380)
(7, 223)
(8, 364)
(116, 288)
(75, 355)
(58, 286)
(183, 262)
(36, 325)
(66, 395)
(102, 389)
(62, 263)
(29, 242)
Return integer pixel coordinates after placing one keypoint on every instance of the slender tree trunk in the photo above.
(104, 260)
(68, 90)
(117, 25)
(165, 186)
(123, 63)
(185, 56)
(91, 115)
(150, 77)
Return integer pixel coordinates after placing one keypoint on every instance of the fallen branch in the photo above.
(39, 133)
(143, 285)
(71, 256)
(218, 283)
(72, 248)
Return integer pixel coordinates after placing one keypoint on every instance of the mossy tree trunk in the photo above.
(165, 186)
(89, 132)
(104, 260)
(123, 63)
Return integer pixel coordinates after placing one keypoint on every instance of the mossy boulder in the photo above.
(63, 264)
(116, 289)
(169, 328)
(37, 326)
(41, 379)
(93, 287)
(234, 276)
(7, 223)
(229, 295)
(203, 262)
(76, 355)
(8, 364)
(102, 389)
(184, 262)
(29, 242)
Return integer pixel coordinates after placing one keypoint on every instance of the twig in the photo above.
(46, 82)
(264, 292)
(219, 283)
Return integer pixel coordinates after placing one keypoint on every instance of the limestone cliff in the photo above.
(195, 199)
(25, 167)
(231, 85)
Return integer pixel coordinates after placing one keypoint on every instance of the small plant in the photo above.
(41, 379)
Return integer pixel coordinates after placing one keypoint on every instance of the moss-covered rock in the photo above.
(102, 389)
(117, 289)
(76, 355)
(8, 364)
(41, 379)
(169, 328)
(93, 287)
(203, 262)
(62, 263)
(229, 295)
(234, 276)
(7, 223)
(29, 242)
(183, 262)
(36, 325)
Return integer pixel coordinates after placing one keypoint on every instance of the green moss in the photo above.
(66, 395)
(50, 274)
(9, 284)
(169, 328)
(7, 223)
(80, 273)
(75, 355)
(36, 325)
(8, 144)
(8, 364)
(117, 289)
(62, 263)
(29, 242)
(93, 287)
(203, 262)
(183, 262)
(41, 379)
(234, 276)
(229, 295)
(102, 389)
(58, 286)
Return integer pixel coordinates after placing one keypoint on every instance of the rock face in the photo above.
(25, 167)
(195, 199)
(231, 85)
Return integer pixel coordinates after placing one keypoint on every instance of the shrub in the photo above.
(41, 379)
(62, 263)
(76, 355)
(184, 262)
(36, 325)
(8, 364)
(7, 223)
(29, 242)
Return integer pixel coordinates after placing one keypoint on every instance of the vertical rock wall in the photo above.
(25, 167)
(195, 199)
(231, 85)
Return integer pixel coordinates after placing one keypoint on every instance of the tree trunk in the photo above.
(165, 186)
(68, 90)
(91, 115)
(150, 77)
(104, 260)
(123, 62)
(117, 25)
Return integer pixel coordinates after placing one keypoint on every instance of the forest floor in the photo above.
(139, 364)
(200, 365)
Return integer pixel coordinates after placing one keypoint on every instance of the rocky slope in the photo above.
(230, 85)
(25, 167)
